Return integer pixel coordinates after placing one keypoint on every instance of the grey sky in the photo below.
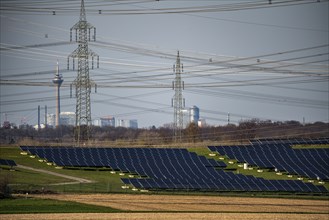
(260, 65)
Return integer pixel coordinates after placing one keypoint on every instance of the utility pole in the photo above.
(178, 102)
(82, 82)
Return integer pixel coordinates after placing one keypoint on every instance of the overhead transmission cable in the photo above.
(251, 5)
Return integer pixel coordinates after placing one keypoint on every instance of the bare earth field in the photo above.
(194, 207)
(167, 216)
(169, 203)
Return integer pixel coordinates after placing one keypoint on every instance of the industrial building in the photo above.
(51, 120)
(192, 115)
(110, 121)
(67, 118)
(107, 121)
(128, 123)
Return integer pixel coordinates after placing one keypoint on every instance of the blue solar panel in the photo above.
(291, 141)
(6, 162)
(312, 163)
(175, 168)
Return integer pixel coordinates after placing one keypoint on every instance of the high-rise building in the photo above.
(133, 123)
(128, 123)
(194, 114)
(191, 115)
(97, 122)
(107, 121)
(67, 118)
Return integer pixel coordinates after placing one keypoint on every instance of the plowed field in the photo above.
(131, 202)
(164, 207)
(166, 216)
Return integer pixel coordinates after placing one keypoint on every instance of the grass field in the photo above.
(103, 181)
(35, 205)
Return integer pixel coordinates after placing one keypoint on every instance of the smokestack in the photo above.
(39, 127)
(46, 123)
(58, 82)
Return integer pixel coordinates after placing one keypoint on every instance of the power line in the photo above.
(37, 74)
(260, 24)
(125, 73)
(8, 8)
(35, 46)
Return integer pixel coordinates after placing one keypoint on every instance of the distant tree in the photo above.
(131, 134)
(192, 132)
(292, 122)
(247, 129)
(149, 137)
(166, 134)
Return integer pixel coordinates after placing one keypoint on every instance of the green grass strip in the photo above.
(34, 205)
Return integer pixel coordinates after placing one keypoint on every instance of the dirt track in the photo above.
(76, 179)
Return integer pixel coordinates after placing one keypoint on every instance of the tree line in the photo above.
(107, 136)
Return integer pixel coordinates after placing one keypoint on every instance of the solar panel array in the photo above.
(7, 162)
(125, 159)
(305, 162)
(160, 168)
(302, 141)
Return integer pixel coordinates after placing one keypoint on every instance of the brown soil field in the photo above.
(172, 203)
(188, 207)
(166, 216)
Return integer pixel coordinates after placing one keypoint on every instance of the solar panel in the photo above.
(311, 163)
(5, 162)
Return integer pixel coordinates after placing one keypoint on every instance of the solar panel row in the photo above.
(312, 163)
(235, 184)
(124, 159)
(7, 162)
(167, 169)
(291, 141)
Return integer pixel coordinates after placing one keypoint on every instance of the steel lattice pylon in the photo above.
(83, 83)
(178, 101)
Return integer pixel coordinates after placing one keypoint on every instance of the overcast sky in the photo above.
(247, 58)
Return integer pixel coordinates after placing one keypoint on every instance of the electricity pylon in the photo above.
(178, 102)
(83, 83)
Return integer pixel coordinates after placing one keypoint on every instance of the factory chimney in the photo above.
(58, 82)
